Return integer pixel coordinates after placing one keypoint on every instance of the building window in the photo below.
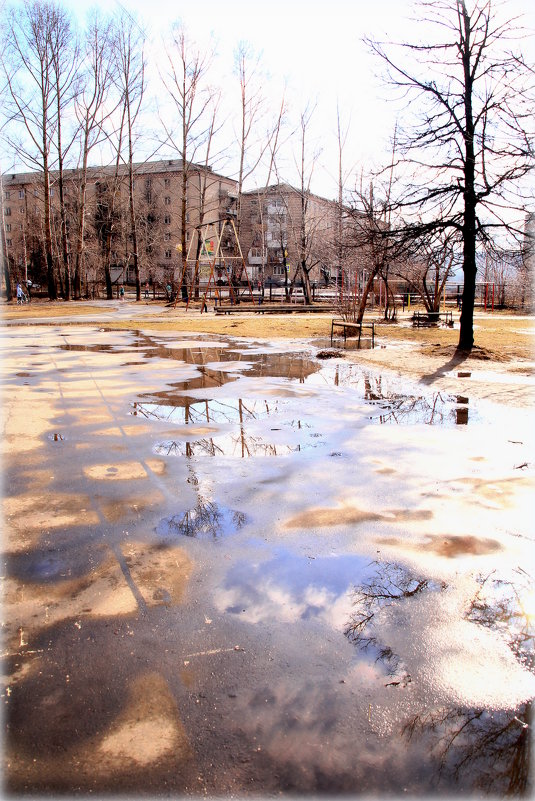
(278, 269)
(167, 200)
(8, 228)
(167, 182)
(7, 195)
(168, 253)
(21, 209)
(167, 219)
(9, 243)
(21, 193)
(167, 236)
(36, 193)
(149, 197)
(148, 183)
(7, 211)
(51, 192)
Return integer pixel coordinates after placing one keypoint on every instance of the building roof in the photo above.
(140, 168)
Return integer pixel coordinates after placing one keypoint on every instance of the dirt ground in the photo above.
(503, 358)
(142, 659)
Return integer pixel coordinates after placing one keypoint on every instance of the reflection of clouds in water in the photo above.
(431, 630)
(288, 588)
(457, 660)
(317, 730)
(230, 366)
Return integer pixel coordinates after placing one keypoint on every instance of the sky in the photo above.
(313, 48)
(315, 52)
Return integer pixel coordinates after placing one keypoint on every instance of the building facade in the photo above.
(158, 190)
(280, 228)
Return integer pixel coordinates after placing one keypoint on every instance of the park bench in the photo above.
(352, 329)
(426, 319)
(268, 308)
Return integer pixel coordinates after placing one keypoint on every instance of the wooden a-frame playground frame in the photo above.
(209, 255)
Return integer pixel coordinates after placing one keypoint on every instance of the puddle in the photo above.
(206, 521)
(290, 587)
(53, 564)
(356, 609)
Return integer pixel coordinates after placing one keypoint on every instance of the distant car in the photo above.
(31, 285)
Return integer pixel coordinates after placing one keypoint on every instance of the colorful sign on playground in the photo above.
(209, 246)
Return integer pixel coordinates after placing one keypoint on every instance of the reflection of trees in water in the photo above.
(398, 408)
(207, 519)
(388, 584)
(486, 749)
(492, 748)
(498, 605)
(238, 413)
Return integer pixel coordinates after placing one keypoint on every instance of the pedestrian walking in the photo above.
(20, 294)
(121, 293)
(147, 289)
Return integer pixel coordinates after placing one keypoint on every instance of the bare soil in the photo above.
(503, 358)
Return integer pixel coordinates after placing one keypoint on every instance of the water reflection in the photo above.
(224, 427)
(484, 748)
(289, 587)
(396, 407)
(207, 520)
(488, 750)
(182, 410)
(388, 584)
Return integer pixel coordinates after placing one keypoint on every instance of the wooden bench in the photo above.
(351, 329)
(424, 319)
(271, 308)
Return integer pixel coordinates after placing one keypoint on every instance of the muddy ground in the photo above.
(233, 567)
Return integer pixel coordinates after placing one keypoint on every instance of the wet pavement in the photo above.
(232, 567)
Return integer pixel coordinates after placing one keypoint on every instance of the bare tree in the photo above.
(192, 99)
(28, 66)
(304, 226)
(6, 272)
(472, 145)
(371, 236)
(98, 72)
(427, 268)
(131, 76)
(254, 142)
(64, 54)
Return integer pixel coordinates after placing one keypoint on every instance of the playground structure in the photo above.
(212, 245)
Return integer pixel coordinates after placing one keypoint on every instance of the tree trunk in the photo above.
(52, 290)
(307, 290)
(365, 293)
(466, 334)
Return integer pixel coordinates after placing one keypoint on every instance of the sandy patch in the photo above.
(124, 471)
(350, 515)
(32, 513)
(148, 729)
(161, 575)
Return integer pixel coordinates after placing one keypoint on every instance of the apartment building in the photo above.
(280, 226)
(158, 207)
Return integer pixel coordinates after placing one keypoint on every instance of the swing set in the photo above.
(210, 252)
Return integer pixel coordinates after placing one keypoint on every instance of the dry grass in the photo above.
(47, 308)
(498, 335)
